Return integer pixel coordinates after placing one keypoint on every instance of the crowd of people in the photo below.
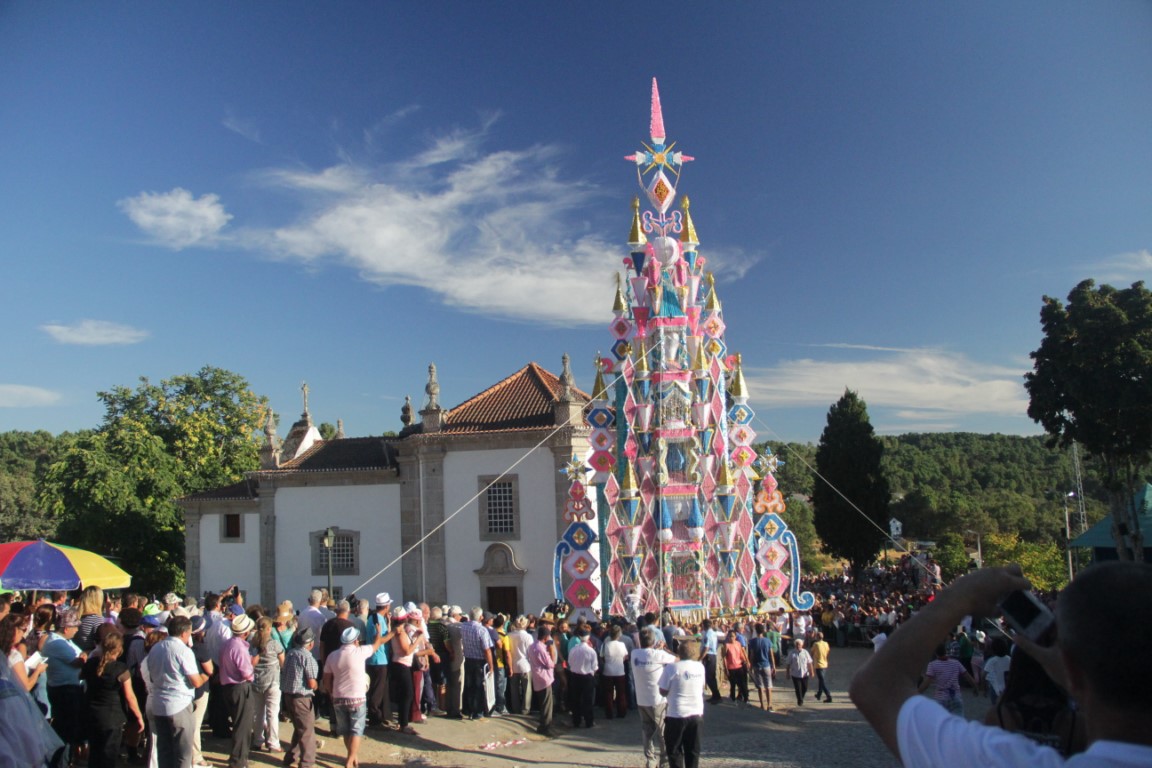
(129, 679)
(137, 680)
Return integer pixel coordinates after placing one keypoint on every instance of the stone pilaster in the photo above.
(267, 543)
(192, 551)
(424, 569)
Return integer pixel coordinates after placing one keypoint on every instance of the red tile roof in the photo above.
(524, 400)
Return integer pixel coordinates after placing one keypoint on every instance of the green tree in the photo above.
(851, 494)
(1090, 384)
(209, 422)
(24, 456)
(1044, 563)
(952, 556)
(113, 492)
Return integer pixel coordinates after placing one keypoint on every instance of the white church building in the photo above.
(464, 506)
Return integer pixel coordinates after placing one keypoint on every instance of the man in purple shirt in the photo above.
(542, 659)
(236, 680)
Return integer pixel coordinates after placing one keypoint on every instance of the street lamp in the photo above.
(328, 540)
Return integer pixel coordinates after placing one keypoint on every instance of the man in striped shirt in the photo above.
(298, 681)
(477, 663)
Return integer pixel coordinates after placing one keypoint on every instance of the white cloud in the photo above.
(241, 127)
(21, 396)
(338, 178)
(176, 219)
(94, 333)
(913, 385)
(478, 230)
(1124, 268)
(490, 232)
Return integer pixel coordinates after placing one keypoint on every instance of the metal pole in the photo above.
(1067, 537)
(329, 540)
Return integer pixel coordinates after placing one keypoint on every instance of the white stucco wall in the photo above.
(465, 551)
(373, 510)
(224, 563)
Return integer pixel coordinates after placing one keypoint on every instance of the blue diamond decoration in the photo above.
(741, 414)
(580, 536)
(620, 349)
(716, 348)
(601, 418)
(773, 521)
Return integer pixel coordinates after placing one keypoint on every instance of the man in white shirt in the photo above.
(614, 675)
(519, 641)
(313, 618)
(173, 676)
(1103, 664)
(648, 664)
(582, 666)
(683, 685)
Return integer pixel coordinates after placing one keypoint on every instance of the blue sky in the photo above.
(344, 192)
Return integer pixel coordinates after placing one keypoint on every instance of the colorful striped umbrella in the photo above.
(45, 566)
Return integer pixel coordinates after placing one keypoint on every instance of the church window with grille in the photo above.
(499, 508)
(345, 553)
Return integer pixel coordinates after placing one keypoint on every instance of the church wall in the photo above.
(372, 510)
(224, 563)
(534, 546)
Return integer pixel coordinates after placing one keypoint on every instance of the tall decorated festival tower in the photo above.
(687, 514)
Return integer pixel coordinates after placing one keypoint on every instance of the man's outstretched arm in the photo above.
(889, 677)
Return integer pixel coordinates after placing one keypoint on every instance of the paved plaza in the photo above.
(816, 735)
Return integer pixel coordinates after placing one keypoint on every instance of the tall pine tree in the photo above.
(851, 494)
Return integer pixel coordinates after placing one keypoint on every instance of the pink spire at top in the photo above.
(657, 126)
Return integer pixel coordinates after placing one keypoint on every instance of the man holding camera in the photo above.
(1103, 664)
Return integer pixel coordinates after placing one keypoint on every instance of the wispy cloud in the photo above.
(176, 219)
(94, 333)
(21, 396)
(1124, 268)
(499, 233)
(374, 133)
(914, 387)
(241, 127)
(864, 347)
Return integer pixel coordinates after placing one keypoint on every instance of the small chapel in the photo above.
(464, 506)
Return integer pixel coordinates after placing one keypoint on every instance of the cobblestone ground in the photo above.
(813, 736)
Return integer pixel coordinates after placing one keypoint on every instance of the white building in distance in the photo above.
(464, 507)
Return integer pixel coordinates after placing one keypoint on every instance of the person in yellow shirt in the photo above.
(819, 651)
(502, 655)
